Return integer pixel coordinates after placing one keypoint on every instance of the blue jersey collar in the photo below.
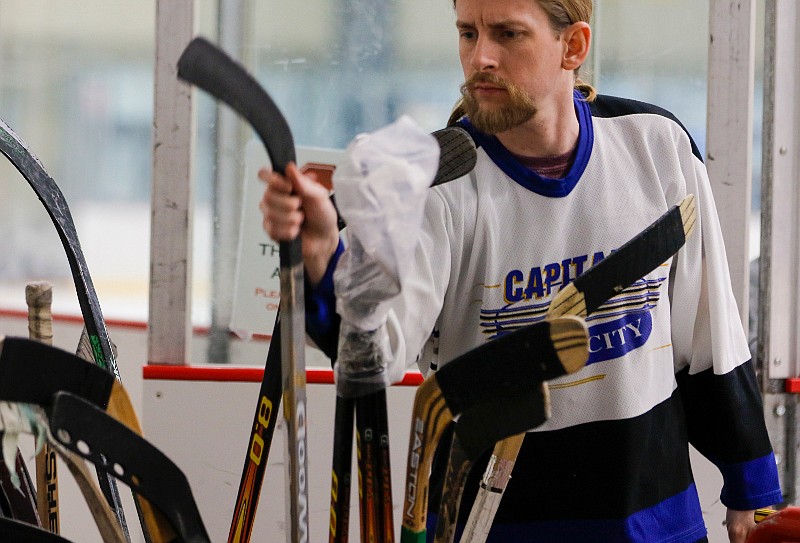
(530, 180)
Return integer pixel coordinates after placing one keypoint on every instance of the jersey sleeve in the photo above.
(714, 373)
(414, 312)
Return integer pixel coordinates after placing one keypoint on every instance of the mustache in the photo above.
(480, 77)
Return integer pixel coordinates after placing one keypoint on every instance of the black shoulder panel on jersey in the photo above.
(612, 106)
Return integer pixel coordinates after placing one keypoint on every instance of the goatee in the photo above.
(518, 109)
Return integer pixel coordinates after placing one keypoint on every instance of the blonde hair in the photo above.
(561, 14)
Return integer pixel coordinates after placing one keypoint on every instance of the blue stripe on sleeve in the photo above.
(750, 485)
(675, 520)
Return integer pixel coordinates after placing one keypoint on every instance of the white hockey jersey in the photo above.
(669, 361)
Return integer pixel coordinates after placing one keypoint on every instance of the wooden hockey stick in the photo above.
(19, 418)
(15, 149)
(209, 68)
(23, 503)
(39, 298)
(32, 372)
(636, 258)
(472, 384)
(89, 432)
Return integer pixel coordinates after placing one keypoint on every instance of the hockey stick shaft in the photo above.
(375, 485)
(39, 298)
(638, 257)
(264, 421)
(15, 149)
(209, 68)
(341, 470)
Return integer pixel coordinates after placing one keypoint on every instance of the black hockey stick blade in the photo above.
(15, 149)
(556, 347)
(206, 66)
(481, 426)
(639, 256)
(31, 372)
(16, 530)
(209, 68)
(90, 433)
(457, 154)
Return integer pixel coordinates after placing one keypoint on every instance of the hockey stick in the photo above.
(209, 68)
(15, 530)
(457, 157)
(16, 418)
(13, 147)
(636, 258)
(87, 431)
(39, 298)
(25, 503)
(32, 372)
(474, 388)
(18, 499)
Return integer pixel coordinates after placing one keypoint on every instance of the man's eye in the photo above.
(467, 34)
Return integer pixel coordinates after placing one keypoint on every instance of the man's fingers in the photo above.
(282, 213)
(739, 524)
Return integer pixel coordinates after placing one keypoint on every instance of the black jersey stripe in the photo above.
(717, 425)
(585, 472)
(612, 106)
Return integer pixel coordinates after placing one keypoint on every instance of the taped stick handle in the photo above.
(39, 299)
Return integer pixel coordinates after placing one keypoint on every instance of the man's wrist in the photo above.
(317, 262)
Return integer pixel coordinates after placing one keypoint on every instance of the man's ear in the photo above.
(577, 38)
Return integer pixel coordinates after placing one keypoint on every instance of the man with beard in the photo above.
(564, 177)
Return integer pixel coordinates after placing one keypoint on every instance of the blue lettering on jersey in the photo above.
(544, 281)
(614, 339)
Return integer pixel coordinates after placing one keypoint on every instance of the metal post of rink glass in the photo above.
(293, 367)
